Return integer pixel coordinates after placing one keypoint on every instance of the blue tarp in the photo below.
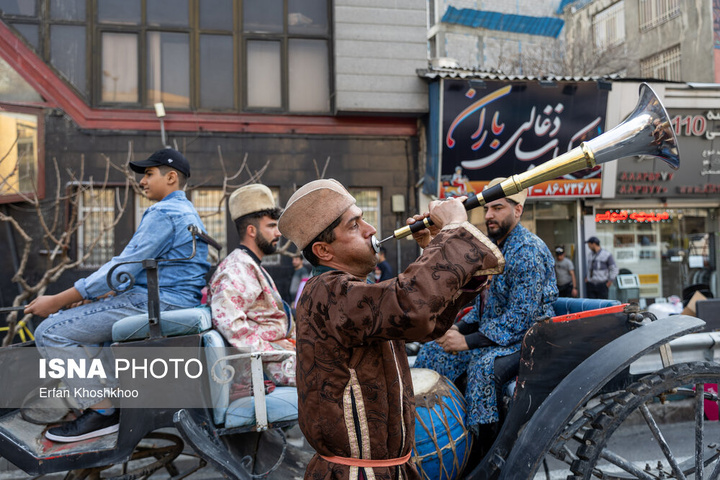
(544, 26)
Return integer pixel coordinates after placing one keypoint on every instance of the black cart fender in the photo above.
(581, 385)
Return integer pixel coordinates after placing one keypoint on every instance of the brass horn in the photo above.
(646, 131)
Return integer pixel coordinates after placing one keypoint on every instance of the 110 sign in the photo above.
(691, 125)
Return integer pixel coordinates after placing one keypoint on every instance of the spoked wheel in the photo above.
(628, 440)
(157, 450)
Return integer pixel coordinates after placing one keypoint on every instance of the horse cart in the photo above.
(580, 376)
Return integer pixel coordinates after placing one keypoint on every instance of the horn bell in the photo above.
(646, 131)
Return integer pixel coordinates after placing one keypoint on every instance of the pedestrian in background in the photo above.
(300, 274)
(565, 274)
(602, 270)
(386, 272)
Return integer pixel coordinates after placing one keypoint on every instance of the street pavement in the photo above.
(633, 441)
(293, 465)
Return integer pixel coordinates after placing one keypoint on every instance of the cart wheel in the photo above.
(157, 450)
(604, 455)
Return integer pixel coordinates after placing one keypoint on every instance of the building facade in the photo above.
(659, 223)
(662, 224)
(671, 40)
(295, 90)
(522, 37)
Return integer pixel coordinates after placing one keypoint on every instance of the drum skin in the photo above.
(442, 443)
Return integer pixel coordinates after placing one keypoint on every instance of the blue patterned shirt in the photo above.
(524, 292)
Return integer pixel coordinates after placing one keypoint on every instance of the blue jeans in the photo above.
(84, 331)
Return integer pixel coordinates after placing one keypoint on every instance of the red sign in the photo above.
(589, 187)
(625, 216)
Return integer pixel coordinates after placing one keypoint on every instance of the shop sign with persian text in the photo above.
(499, 129)
(698, 133)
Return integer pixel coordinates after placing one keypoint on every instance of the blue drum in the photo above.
(442, 443)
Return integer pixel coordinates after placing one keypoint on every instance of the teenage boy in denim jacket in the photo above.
(163, 234)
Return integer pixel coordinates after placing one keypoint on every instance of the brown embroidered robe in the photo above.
(353, 378)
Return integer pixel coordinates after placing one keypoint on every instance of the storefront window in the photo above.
(554, 222)
(668, 249)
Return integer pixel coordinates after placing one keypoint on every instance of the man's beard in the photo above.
(500, 232)
(267, 248)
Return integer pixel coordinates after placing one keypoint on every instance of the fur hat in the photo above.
(250, 199)
(312, 208)
(518, 197)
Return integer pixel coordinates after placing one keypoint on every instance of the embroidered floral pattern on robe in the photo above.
(248, 311)
(354, 384)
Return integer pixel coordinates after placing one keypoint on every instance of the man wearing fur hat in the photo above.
(246, 306)
(356, 406)
(495, 326)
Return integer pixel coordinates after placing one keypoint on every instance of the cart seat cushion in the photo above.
(565, 305)
(173, 323)
(282, 406)
(215, 349)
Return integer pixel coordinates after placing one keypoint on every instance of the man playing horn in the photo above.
(495, 326)
(355, 395)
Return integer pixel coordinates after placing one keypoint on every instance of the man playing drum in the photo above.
(355, 395)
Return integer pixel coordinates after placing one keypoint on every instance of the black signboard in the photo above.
(497, 129)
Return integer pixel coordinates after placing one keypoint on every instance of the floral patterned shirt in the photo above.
(248, 311)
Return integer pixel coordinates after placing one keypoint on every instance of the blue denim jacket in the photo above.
(162, 233)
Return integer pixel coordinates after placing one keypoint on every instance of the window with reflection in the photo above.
(287, 55)
(167, 13)
(67, 53)
(127, 12)
(216, 56)
(18, 7)
(168, 69)
(212, 55)
(264, 77)
(263, 16)
(120, 68)
(21, 172)
(368, 199)
(14, 88)
(216, 14)
(30, 32)
(210, 205)
(307, 17)
(67, 10)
